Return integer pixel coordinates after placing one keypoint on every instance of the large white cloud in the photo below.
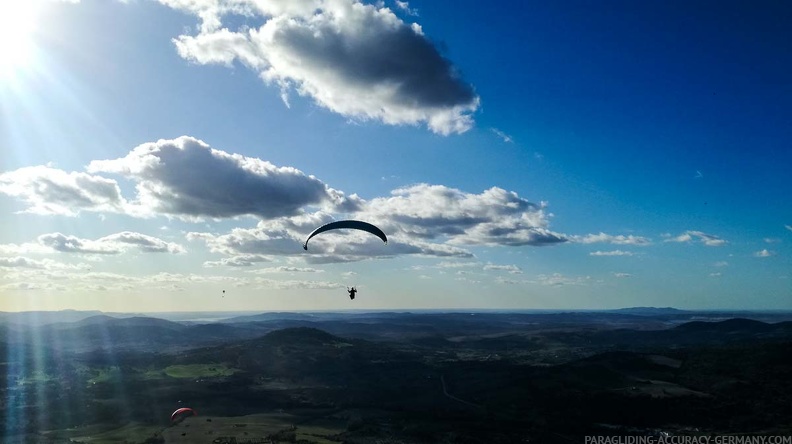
(186, 178)
(49, 190)
(493, 217)
(358, 60)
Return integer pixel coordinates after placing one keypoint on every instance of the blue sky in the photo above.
(519, 155)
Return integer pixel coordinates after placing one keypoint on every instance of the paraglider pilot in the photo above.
(352, 292)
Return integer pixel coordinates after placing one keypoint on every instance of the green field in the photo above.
(190, 371)
(200, 371)
(99, 434)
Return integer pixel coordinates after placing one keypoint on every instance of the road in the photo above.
(445, 392)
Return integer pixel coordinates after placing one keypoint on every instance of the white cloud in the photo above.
(622, 275)
(788, 227)
(716, 274)
(405, 6)
(186, 178)
(360, 61)
(721, 264)
(764, 253)
(612, 253)
(611, 239)
(709, 240)
(772, 240)
(48, 190)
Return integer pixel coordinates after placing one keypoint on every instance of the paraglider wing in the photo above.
(353, 224)
(182, 412)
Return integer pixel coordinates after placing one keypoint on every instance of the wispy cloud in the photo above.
(285, 269)
(333, 53)
(612, 253)
(622, 275)
(112, 244)
(612, 239)
(405, 6)
(764, 253)
(709, 240)
(505, 137)
(241, 260)
(43, 264)
(447, 264)
(558, 279)
(721, 264)
(296, 284)
(513, 269)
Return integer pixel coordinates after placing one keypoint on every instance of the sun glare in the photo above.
(17, 25)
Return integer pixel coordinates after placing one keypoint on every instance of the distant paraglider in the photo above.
(352, 292)
(352, 224)
(182, 413)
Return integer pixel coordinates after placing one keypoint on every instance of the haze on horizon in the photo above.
(541, 155)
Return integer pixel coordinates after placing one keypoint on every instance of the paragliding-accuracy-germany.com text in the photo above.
(711, 439)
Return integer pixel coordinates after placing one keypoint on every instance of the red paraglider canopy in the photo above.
(183, 412)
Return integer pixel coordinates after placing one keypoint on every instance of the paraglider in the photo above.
(352, 292)
(182, 413)
(352, 224)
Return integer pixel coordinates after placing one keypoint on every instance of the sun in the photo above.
(17, 25)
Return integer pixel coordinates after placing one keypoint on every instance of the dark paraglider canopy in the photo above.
(352, 224)
(182, 413)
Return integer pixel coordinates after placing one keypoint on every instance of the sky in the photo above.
(172, 155)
